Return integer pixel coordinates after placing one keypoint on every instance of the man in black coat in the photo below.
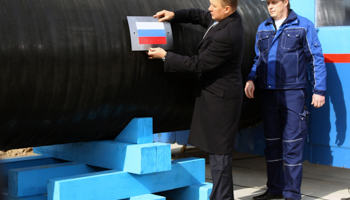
(220, 91)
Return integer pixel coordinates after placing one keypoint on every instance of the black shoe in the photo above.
(267, 195)
(289, 199)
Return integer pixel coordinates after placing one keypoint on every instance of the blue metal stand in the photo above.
(131, 167)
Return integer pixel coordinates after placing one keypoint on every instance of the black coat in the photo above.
(220, 91)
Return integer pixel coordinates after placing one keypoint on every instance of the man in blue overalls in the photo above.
(285, 43)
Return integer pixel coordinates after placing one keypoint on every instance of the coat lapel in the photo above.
(218, 27)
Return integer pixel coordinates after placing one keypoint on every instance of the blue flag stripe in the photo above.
(151, 33)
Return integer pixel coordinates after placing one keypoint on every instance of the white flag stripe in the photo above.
(149, 25)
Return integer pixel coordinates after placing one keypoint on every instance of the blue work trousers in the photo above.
(285, 129)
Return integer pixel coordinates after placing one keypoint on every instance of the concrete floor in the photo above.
(249, 176)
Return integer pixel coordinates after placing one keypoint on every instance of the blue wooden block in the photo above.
(146, 197)
(138, 131)
(111, 185)
(148, 158)
(133, 158)
(26, 161)
(32, 181)
(165, 137)
(163, 157)
(38, 197)
(199, 191)
(182, 137)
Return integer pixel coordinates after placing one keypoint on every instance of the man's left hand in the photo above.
(318, 100)
(156, 53)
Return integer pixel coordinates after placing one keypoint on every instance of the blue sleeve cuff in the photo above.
(251, 78)
(320, 92)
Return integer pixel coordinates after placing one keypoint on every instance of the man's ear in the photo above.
(288, 2)
(227, 9)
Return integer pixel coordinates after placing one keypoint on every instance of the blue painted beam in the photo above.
(165, 137)
(148, 158)
(26, 161)
(44, 197)
(199, 191)
(147, 197)
(133, 158)
(182, 137)
(138, 131)
(32, 181)
(111, 185)
(39, 197)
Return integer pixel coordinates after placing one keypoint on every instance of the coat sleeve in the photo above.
(217, 53)
(313, 50)
(194, 16)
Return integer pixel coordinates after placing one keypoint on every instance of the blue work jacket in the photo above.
(282, 56)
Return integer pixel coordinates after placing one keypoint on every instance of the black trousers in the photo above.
(221, 172)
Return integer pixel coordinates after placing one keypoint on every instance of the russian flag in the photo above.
(151, 32)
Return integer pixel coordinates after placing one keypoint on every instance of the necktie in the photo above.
(214, 24)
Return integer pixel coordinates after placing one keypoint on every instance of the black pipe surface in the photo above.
(333, 13)
(68, 73)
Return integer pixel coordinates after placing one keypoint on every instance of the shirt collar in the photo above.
(291, 17)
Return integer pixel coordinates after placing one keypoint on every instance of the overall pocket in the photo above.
(264, 41)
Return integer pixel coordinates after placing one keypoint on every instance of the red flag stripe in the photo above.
(152, 40)
(337, 58)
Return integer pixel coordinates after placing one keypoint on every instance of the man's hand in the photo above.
(318, 100)
(249, 89)
(156, 53)
(164, 15)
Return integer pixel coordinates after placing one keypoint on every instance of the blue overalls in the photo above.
(285, 132)
(280, 71)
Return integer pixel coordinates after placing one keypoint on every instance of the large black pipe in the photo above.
(333, 13)
(68, 73)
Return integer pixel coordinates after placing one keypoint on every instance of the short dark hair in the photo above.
(232, 3)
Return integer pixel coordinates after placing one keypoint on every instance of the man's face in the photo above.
(217, 10)
(277, 8)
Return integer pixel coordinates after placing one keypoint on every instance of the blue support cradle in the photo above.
(127, 168)
(32, 181)
(133, 158)
(111, 185)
